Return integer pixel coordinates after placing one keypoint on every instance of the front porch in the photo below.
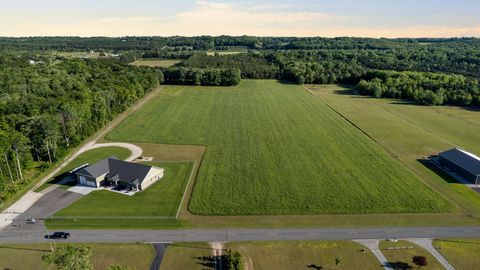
(115, 183)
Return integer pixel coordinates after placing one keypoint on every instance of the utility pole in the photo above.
(49, 240)
(18, 164)
(48, 151)
(8, 166)
(226, 238)
(1, 171)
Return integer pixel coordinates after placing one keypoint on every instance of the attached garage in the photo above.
(91, 184)
(82, 180)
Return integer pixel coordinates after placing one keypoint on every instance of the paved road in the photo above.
(219, 235)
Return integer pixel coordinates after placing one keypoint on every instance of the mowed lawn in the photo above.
(272, 149)
(29, 256)
(460, 253)
(161, 199)
(286, 255)
(402, 258)
(279, 255)
(188, 256)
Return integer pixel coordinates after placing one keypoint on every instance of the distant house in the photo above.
(118, 173)
(463, 163)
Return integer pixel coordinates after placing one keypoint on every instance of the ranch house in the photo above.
(463, 163)
(120, 174)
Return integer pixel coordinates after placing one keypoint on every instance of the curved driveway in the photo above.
(136, 151)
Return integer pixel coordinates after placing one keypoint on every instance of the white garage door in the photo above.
(91, 184)
(83, 181)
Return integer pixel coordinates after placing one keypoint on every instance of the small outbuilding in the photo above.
(462, 162)
(117, 173)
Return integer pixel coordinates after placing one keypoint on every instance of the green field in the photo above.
(90, 157)
(272, 149)
(403, 257)
(160, 200)
(460, 253)
(187, 256)
(285, 255)
(412, 133)
(29, 257)
(156, 62)
(275, 255)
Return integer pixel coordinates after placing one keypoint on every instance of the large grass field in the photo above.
(29, 257)
(272, 149)
(90, 157)
(275, 255)
(412, 133)
(460, 253)
(401, 259)
(287, 255)
(160, 200)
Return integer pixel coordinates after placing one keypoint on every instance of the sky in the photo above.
(328, 18)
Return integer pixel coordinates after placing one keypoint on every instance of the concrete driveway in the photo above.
(47, 205)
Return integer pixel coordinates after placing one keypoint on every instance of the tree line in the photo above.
(202, 76)
(424, 88)
(46, 109)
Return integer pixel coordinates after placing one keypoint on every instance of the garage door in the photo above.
(91, 184)
(83, 181)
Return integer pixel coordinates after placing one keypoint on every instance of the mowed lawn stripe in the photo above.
(272, 148)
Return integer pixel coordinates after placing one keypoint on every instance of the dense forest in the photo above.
(47, 108)
(50, 102)
(424, 88)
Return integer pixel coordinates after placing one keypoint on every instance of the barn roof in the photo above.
(463, 159)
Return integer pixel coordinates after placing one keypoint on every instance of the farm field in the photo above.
(103, 255)
(156, 62)
(274, 149)
(159, 201)
(412, 133)
(90, 157)
(402, 258)
(460, 253)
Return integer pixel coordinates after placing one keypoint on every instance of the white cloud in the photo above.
(214, 18)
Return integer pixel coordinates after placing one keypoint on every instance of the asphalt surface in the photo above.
(159, 253)
(47, 205)
(220, 235)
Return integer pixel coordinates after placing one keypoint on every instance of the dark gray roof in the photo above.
(95, 170)
(464, 159)
(117, 169)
